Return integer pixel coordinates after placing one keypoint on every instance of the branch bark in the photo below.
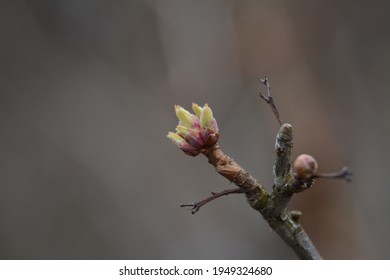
(271, 206)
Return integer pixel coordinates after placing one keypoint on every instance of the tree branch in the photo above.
(285, 224)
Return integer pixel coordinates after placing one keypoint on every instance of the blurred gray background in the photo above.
(87, 90)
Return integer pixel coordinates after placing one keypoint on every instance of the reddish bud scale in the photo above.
(305, 166)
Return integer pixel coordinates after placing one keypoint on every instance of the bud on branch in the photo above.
(195, 133)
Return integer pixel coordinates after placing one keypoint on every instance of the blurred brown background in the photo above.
(87, 90)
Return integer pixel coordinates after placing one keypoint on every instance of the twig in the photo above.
(345, 173)
(298, 184)
(269, 99)
(214, 195)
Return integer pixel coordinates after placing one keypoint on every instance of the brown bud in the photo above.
(305, 166)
